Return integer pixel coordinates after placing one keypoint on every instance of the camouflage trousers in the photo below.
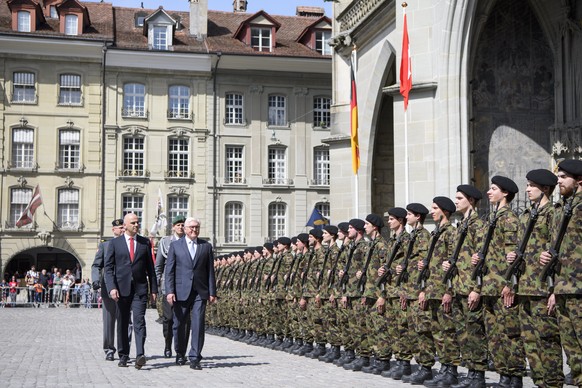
(378, 325)
(330, 323)
(423, 342)
(401, 334)
(471, 334)
(364, 337)
(503, 333)
(294, 316)
(569, 308)
(344, 315)
(541, 340)
(315, 316)
(444, 332)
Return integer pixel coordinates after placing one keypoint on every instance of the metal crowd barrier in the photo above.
(29, 297)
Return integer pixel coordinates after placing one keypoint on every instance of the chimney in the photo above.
(314, 12)
(199, 18)
(239, 5)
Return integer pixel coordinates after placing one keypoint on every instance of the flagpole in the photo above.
(405, 86)
(356, 181)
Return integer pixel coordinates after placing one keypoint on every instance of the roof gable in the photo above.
(260, 17)
(322, 23)
(160, 16)
(74, 5)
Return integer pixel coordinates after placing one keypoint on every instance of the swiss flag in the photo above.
(35, 202)
(405, 65)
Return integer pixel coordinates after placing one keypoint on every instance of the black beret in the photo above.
(505, 184)
(331, 229)
(250, 250)
(294, 240)
(397, 212)
(417, 208)
(284, 241)
(343, 226)
(571, 166)
(268, 246)
(317, 233)
(303, 237)
(357, 224)
(470, 191)
(375, 220)
(445, 204)
(117, 222)
(542, 177)
(178, 219)
(259, 249)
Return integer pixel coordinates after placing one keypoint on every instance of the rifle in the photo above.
(274, 283)
(320, 276)
(403, 277)
(516, 269)
(387, 277)
(259, 281)
(480, 269)
(288, 277)
(331, 277)
(268, 281)
(364, 277)
(425, 272)
(452, 272)
(306, 273)
(230, 280)
(344, 279)
(550, 268)
(245, 282)
(252, 284)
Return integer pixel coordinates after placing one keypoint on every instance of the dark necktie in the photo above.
(131, 249)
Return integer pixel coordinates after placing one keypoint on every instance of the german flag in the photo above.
(354, 121)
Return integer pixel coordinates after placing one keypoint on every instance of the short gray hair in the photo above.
(192, 219)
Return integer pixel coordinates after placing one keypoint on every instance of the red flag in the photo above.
(35, 202)
(354, 121)
(405, 65)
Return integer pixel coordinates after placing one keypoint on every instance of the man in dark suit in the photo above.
(190, 283)
(109, 305)
(129, 269)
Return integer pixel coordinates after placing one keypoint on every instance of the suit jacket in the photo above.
(97, 272)
(121, 273)
(161, 256)
(184, 274)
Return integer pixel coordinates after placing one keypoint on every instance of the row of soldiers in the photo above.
(505, 286)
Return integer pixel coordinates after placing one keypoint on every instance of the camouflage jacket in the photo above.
(568, 278)
(390, 289)
(309, 270)
(443, 250)
(378, 251)
(419, 250)
(462, 283)
(332, 253)
(540, 239)
(504, 241)
(294, 272)
(359, 251)
(268, 270)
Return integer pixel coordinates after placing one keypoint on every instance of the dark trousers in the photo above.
(109, 318)
(195, 307)
(136, 305)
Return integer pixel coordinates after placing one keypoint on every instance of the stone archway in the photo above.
(43, 257)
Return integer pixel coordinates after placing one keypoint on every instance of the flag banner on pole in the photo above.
(405, 65)
(26, 216)
(354, 119)
(160, 223)
(317, 220)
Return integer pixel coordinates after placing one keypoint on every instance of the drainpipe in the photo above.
(214, 150)
(103, 137)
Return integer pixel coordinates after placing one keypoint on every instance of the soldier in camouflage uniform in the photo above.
(501, 313)
(280, 311)
(471, 332)
(310, 297)
(419, 320)
(431, 293)
(539, 328)
(567, 292)
(293, 285)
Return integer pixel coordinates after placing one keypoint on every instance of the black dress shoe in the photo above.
(180, 359)
(140, 361)
(110, 357)
(122, 362)
(195, 366)
(168, 353)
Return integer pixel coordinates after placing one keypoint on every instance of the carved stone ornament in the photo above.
(69, 182)
(22, 181)
(133, 130)
(179, 190)
(181, 131)
(256, 89)
(301, 91)
(132, 189)
(44, 236)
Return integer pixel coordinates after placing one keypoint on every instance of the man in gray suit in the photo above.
(190, 284)
(109, 305)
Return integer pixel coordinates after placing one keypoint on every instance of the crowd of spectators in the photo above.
(52, 289)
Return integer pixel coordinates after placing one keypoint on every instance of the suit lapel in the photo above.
(198, 253)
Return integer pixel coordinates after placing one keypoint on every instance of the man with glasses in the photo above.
(190, 283)
(129, 269)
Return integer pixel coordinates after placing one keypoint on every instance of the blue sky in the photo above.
(275, 7)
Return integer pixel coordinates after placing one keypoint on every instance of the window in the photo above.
(179, 102)
(133, 156)
(71, 25)
(277, 166)
(133, 204)
(321, 166)
(24, 88)
(321, 45)
(234, 109)
(234, 164)
(261, 38)
(70, 89)
(323, 209)
(53, 12)
(23, 21)
(68, 209)
(277, 220)
(69, 149)
(23, 148)
(139, 19)
(321, 112)
(134, 100)
(177, 206)
(277, 111)
(160, 39)
(19, 199)
(178, 158)
(233, 223)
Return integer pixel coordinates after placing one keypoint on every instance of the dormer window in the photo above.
(71, 25)
(261, 39)
(160, 38)
(23, 21)
(73, 17)
(53, 12)
(321, 45)
(159, 28)
(139, 20)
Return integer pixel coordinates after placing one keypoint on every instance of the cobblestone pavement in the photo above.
(60, 347)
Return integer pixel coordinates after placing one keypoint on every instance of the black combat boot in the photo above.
(268, 341)
(287, 343)
(357, 364)
(438, 377)
(306, 348)
(318, 350)
(370, 368)
(479, 380)
(403, 370)
(332, 355)
(466, 381)
(504, 381)
(298, 343)
(516, 382)
(451, 377)
(420, 376)
(349, 356)
(323, 356)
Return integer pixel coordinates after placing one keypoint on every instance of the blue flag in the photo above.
(317, 220)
